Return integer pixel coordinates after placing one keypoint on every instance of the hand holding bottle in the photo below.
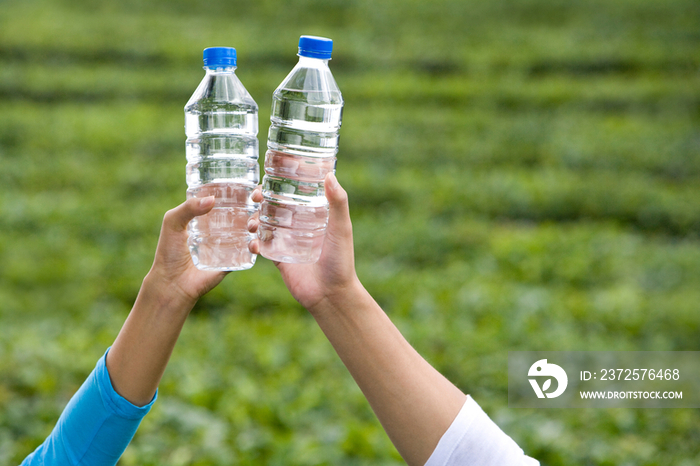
(173, 273)
(333, 277)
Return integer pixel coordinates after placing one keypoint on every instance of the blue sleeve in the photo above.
(94, 429)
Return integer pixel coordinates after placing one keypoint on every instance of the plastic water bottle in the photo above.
(221, 124)
(302, 145)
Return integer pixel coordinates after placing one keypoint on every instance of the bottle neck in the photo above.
(219, 69)
(308, 62)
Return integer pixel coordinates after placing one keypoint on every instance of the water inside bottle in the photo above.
(219, 240)
(220, 117)
(222, 153)
(302, 143)
(305, 122)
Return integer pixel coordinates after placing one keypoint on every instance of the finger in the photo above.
(339, 212)
(257, 195)
(177, 219)
(254, 246)
(253, 224)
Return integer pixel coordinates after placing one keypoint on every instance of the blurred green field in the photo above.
(523, 175)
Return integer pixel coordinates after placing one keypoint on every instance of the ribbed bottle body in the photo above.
(302, 146)
(221, 124)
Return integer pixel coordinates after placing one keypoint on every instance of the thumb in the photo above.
(339, 223)
(177, 219)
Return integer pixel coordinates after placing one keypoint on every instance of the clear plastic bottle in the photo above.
(302, 144)
(221, 124)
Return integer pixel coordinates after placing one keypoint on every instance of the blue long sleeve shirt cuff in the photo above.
(95, 427)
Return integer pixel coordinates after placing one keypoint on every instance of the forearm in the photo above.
(142, 349)
(413, 401)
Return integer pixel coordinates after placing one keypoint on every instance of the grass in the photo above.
(522, 176)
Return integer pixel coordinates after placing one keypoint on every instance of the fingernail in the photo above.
(332, 180)
(206, 202)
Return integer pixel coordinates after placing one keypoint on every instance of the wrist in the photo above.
(160, 293)
(344, 299)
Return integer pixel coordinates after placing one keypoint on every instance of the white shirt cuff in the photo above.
(474, 439)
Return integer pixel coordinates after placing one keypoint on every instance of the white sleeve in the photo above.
(474, 439)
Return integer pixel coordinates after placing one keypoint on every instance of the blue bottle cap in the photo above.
(219, 57)
(315, 47)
